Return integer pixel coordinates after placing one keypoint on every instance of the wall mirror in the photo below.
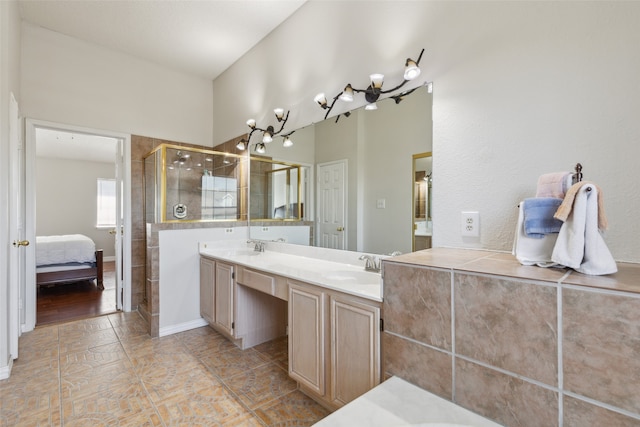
(356, 177)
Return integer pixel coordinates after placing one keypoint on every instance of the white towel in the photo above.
(532, 251)
(580, 245)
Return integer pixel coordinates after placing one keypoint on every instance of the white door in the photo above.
(119, 223)
(16, 226)
(332, 209)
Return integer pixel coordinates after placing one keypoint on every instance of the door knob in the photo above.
(340, 228)
(18, 243)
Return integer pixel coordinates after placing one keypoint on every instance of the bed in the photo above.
(67, 259)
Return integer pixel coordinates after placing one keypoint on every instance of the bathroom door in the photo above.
(332, 215)
(422, 185)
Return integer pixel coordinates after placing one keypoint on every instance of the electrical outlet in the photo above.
(470, 224)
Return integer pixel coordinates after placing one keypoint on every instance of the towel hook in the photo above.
(578, 175)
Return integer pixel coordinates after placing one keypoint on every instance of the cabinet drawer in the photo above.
(258, 281)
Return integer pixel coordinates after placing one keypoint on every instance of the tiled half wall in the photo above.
(520, 352)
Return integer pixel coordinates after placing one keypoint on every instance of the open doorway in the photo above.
(75, 196)
(75, 183)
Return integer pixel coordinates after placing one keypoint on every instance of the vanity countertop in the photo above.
(398, 403)
(627, 278)
(325, 268)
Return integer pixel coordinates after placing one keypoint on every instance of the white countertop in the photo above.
(321, 267)
(397, 403)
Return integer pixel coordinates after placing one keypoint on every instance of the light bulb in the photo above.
(279, 112)
(371, 106)
(321, 99)
(260, 148)
(242, 145)
(287, 142)
(411, 70)
(376, 80)
(347, 94)
(251, 123)
(267, 138)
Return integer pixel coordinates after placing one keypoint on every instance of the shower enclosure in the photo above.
(194, 184)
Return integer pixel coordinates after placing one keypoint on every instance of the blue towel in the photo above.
(538, 216)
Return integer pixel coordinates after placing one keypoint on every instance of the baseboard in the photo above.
(174, 329)
(5, 371)
(108, 258)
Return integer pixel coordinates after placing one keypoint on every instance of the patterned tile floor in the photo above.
(107, 371)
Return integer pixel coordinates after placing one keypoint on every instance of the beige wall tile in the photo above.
(601, 350)
(508, 324)
(425, 367)
(578, 413)
(417, 304)
(503, 398)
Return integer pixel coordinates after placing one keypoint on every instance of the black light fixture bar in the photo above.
(373, 92)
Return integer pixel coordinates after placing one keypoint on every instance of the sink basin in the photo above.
(244, 252)
(354, 276)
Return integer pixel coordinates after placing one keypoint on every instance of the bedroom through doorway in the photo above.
(76, 210)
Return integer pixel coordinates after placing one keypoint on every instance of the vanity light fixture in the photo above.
(374, 90)
(267, 134)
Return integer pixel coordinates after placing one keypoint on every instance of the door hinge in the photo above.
(381, 325)
(233, 325)
(233, 275)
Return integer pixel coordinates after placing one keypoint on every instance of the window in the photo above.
(106, 216)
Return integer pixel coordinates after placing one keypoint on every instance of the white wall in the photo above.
(520, 89)
(66, 192)
(9, 83)
(180, 275)
(69, 81)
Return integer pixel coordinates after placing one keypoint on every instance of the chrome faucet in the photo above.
(371, 263)
(259, 245)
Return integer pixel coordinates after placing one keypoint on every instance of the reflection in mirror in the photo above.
(376, 148)
(278, 190)
(422, 186)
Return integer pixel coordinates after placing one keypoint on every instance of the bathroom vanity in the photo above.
(323, 299)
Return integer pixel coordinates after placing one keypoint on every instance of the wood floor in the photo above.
(80, 300)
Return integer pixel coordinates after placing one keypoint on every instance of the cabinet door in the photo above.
(306, 337)
(207, 271)
(223, 297)
(355, 349)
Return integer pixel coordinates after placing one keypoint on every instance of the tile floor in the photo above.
(107, 371)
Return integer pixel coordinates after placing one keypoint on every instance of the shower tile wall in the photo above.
(520, 345)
